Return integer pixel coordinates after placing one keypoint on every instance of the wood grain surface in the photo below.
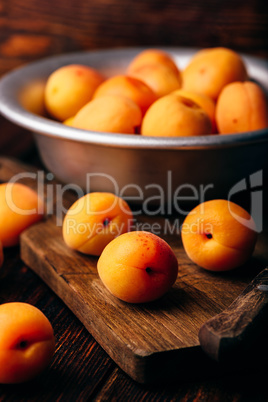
(240, 331)
(32, 29)
(150, 342)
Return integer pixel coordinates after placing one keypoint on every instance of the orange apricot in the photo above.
(129, 87)
(219, 235)
(241, 106)
(174, 115)
(69, 88)
(204, 101)
(32, 97)
(210, 70)
(20, 207)
(111, 113)
(152, 56)
(69, 121)
(27, 342)
(138, 267)
(161, 78)
(94, 220)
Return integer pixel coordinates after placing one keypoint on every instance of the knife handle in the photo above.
(241, 331)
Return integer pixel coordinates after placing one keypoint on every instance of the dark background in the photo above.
(33, 29)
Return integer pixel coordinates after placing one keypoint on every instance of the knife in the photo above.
(240, 332)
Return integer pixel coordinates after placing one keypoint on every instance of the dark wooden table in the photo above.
(81, 370)
(29, 30)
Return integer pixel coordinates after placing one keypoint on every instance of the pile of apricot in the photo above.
(213, 94)
(134, 266)
(138, 266)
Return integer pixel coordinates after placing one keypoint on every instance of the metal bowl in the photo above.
(140, 169)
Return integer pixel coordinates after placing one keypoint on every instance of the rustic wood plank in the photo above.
(11, 143)
(79, 365)
(30, 30)
(144, 340)
(150, 342)
(241, 330)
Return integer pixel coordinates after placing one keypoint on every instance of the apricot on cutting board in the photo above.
(27, 342)
(138, 267)
(94, 220)
(218, 235)
(20, 207)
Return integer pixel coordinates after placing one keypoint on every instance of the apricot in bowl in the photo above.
(209, 70)
(175, 115)
(241, 107)
(69, 88)
(152, 57)
(110, 113)
(71, 153)
(160, 78)
(128, 87)
(204, 101)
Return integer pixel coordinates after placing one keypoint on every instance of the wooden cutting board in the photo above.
(151, 342)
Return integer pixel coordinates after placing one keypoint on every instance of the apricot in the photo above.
(32, 97)
(20, 207)
(241, 106)
(129, 87)
(174, 115)
(210, 70)
(204, 101)
(69, 88)
(94, 220)
(138, 267)
(161, 78)
(218, 235)
(27, 342)
(113, 114)
(152, 56)
(69, 121)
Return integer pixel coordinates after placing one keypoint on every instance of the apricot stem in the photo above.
(209, 235)
(148, 270)
(106, 222)
(23, 344)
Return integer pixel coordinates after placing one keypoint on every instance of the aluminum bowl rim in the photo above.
(11, 108)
